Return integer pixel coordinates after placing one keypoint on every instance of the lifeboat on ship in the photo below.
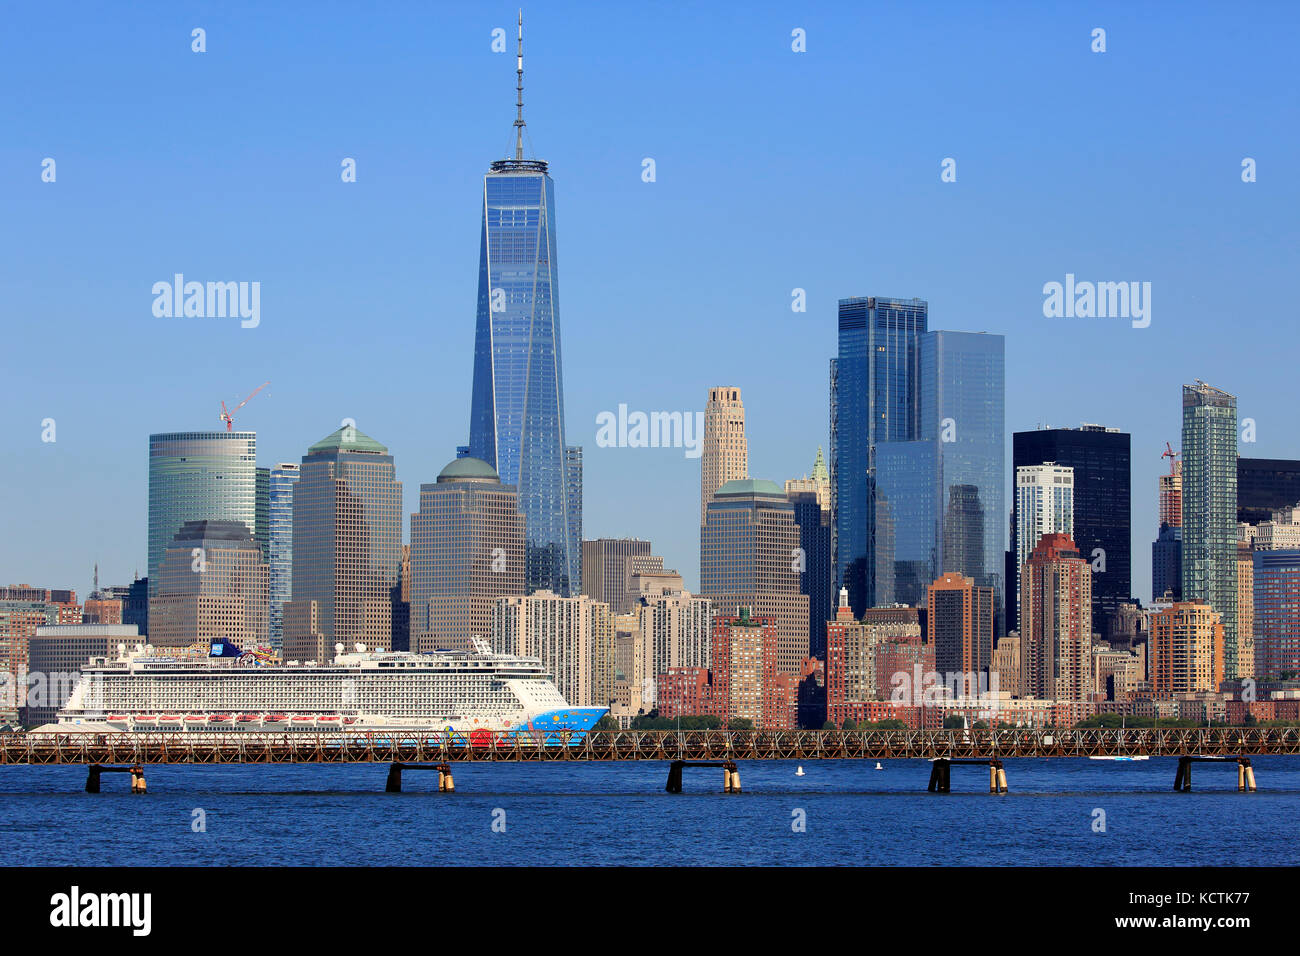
(274, 720)
(146, 721)
(170, 721)
(303, 720)
(249, 718)
(193, 721)
(222, 719)
(117, 720)
(330, 720)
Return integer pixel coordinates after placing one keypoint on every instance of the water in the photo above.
(591, 814)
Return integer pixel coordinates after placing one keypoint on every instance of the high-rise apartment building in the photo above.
(1245, 610)
(1186, 649)
(1056, 621)
(572, 636)
(725, 455)
(675, 625)
(1102, 506)
(959, 617)
(1044, 505)
(1170, 494)
(1210, 508)
(198, 476)
(749, 557)
(347, 546)
(745, 672)
(517, 404)
(874, 399)
(279, 543)
(467, 551)
(213, 583)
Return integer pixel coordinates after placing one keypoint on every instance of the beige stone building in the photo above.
(570, 635)
(213, 583)
(725, 455)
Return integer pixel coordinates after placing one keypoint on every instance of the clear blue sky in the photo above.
(775, 170)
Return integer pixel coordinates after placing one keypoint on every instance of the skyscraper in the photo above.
(749, 549)
(1264, 485)
(1056, 621)
(1186, 649)
(347, 547)
(812, 513)
(963, 399)
(572, 636)
(198, 476)
(960, 622)
(1276, 576)
(213, 583)
(467, 550)
(606, 572)
(1044, 505)
(279, 544)
(725, 455)
(1102, 505)
(874, 400)
(517, 403)
(1210, 508)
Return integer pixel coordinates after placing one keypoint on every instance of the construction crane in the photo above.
(1173, 458)
(228, 416)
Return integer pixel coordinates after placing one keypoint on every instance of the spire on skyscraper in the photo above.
(519, 103)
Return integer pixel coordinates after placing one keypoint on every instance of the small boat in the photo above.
(1121, 757)
(878, 766)
(799, 772)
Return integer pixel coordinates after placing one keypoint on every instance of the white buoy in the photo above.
(799, 772)
(878, 767)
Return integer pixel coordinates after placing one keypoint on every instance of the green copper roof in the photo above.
(468, 468)
(819, 467)
(750, 486)
(354, 440)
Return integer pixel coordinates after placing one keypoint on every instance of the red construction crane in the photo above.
(1172, 456)
(229, 416)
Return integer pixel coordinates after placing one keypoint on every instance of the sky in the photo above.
(775, 170)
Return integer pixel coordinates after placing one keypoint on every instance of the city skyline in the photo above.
(630, 492)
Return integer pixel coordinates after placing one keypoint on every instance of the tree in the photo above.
(740, 723)
(849, 725)
(606, 723)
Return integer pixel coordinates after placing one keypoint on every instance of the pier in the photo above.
(128, 752)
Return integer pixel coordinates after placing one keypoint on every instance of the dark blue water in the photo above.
(579, 813)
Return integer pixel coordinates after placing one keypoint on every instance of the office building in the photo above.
(213, 583)
(517, 404)
(347, 546)
(279, 543)
(1167, 563)
(606, 564)
(1276, 580)
(810, 497)
(1044, 504)
(725, 455)
(1265, 485)
(1102, 506)
(749, 549)
(198, 476)
(58, 653)
(467, 551)
(874, 400)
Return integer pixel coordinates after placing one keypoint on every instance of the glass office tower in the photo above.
(1210, 508)
(198, 476)
(874, 400)
(963, 412)
(279, 544)
(1102, 506)
(517, 404)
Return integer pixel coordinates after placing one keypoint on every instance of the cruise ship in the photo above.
(472, 695)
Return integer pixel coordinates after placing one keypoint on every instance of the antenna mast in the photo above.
(519, 103)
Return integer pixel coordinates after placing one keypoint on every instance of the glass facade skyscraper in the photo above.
(963, 412)
(1210, 508)
(875, 399)
(1102, 506)
(517, 403)
(279, 544)
(198, 476)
